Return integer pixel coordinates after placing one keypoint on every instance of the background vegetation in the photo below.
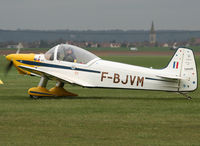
(140, 49)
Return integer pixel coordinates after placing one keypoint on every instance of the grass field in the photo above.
(97, 116)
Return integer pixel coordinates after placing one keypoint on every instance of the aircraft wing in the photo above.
(54, 76)
(1, 82)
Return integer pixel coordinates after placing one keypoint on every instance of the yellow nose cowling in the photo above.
(10, 56)
(15, 57)
(29, 57)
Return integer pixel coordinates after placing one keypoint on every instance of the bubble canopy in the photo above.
(69, 53)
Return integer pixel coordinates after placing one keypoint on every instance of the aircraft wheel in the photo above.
(34, 97)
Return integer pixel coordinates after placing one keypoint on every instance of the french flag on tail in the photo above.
(175, 64)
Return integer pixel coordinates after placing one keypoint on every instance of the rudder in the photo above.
(183, 65)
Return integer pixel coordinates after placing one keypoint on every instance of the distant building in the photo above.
(18, 46)
(133, 49)
(12, 46)
(94, 45)
(152, 35)
(196, 42)
(105, 45)
(165, 45)
(115, 45)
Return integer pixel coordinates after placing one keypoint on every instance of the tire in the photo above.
(34, 97)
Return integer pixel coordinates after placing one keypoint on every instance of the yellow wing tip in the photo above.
(1, 82)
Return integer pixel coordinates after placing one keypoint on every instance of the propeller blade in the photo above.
(18, 50)
(8, 67)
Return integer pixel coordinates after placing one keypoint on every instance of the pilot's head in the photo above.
(69, 51)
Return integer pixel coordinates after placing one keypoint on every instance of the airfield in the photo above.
(98, 116)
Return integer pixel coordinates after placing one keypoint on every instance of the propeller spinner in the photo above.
(9, 66)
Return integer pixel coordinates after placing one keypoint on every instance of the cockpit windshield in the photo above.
(70, 53)
(49, 55)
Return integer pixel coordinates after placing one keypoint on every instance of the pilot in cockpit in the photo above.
(69, 55)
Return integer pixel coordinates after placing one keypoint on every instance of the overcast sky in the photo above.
(99, 14)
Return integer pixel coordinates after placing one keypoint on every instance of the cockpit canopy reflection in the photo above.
(68, 53)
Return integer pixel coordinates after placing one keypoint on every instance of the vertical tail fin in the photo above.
(182, 65)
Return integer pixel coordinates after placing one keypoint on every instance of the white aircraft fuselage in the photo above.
(179, 76)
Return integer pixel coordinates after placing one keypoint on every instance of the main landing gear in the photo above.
(41, 91)
(185, 94)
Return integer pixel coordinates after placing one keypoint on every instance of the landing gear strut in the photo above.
(41, 91)
(185, 94)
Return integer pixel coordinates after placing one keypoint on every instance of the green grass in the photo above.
(97, 116)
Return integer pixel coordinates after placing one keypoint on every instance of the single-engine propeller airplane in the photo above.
(66, 63)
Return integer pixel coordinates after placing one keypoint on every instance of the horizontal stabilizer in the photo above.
(170, 77)
(170, 86)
